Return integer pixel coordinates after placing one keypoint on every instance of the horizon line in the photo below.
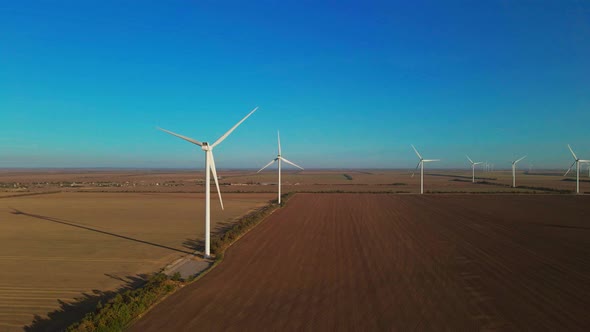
(255, 169)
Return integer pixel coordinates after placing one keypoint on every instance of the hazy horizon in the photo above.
(270, 169)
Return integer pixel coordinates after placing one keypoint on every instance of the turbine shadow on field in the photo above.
(195, 245)
(77, 225)
(573, 179)
(198, 245)
(459, 176)
(69, 313)
(562, 226)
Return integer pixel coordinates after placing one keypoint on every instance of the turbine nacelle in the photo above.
(514, 171)
(577, 162)
(280, 159)
(473, 163)
(210, 169)
(421, 166)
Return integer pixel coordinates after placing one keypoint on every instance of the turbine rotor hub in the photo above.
(205, 146)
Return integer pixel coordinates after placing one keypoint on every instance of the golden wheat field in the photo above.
(56, 249)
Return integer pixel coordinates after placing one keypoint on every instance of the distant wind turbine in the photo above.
(577, 161)
(473, 164)
(421, 165)
(210, 168)
(514, 171)
(278, 159)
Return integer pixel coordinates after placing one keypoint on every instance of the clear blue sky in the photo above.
(349, 84)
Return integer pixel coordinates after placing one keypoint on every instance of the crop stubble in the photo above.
(61, 247)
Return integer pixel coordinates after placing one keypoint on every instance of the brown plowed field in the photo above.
(397, 262)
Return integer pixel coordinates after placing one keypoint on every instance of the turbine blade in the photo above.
(430, 160)
(194, 141)
(420, 162)
(419, 156)
(572, 151)
(214, 171)
(279, 139)
(469, 159)
(569, 169)
(477, 163)
(220, 139)
(520, 159)
(267, 165)
(288, 162)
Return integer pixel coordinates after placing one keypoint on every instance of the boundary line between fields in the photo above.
(218, 256)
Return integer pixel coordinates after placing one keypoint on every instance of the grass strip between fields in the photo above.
(125, 308)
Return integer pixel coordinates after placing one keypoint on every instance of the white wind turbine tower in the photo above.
(421, 165)
(278, 159)
(577, 161)
(210, 168)
(473, 164)
(514, 171)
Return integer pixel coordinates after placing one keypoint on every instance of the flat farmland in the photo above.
(57, 248)
(18, 182)
(398, 262)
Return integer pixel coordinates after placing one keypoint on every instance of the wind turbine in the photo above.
(278, 159)
(210, 168)
(421, 165)
(473, 168)
(514, 171)
(577, 161)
